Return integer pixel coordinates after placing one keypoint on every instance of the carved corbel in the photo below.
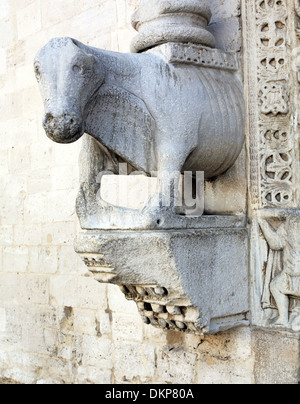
(174, 105)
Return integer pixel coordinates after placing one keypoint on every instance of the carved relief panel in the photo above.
(281, 288)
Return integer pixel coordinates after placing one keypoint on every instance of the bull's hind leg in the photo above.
(166, 197)
(167, 200)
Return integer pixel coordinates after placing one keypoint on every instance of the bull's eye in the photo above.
(77, 69)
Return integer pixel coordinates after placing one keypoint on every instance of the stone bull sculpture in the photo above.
(141, 109)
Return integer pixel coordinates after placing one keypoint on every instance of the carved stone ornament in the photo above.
(272, 79)
(282, 278)
(175, 105)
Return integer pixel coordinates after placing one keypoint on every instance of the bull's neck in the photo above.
(118, 67)
(122, 70)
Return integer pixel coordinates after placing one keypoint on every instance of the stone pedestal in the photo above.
(187, 280)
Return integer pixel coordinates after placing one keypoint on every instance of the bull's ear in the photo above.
(85, 49)
(76, 43)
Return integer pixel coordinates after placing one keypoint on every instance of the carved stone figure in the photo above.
(157, 113)
(283, 270)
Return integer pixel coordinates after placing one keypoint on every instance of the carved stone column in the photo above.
(161, 21)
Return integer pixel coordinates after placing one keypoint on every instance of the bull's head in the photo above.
(68, 76)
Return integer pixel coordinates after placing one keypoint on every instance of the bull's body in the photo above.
(166, 117)
(155, 115)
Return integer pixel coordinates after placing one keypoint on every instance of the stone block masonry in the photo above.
(57, 325)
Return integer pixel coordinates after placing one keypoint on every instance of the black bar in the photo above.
(136, 393)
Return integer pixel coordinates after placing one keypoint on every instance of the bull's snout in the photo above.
(63, 128)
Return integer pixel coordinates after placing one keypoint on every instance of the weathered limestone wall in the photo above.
(57, 324)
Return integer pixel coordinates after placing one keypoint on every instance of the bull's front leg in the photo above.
(94, 160)
(95, 213)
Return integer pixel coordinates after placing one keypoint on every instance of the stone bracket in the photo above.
(186, 280)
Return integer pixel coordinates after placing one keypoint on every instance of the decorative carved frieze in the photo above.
(296, 52)
(199, 55)
(276, 166)
(272, 147)
(277, 187)
(274, 98)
